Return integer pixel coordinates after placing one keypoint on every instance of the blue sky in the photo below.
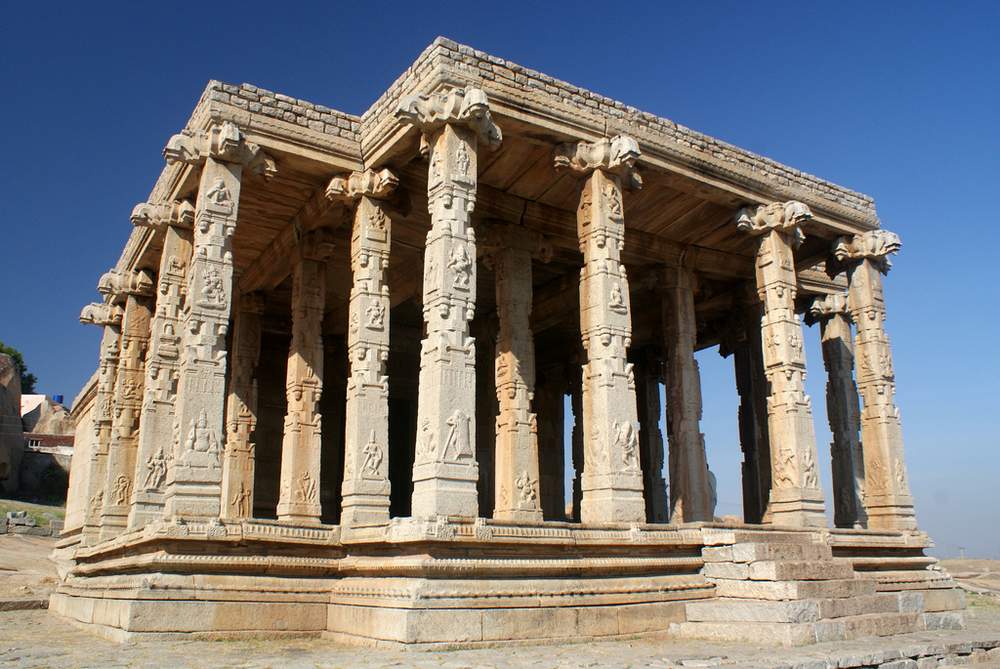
(898, 100)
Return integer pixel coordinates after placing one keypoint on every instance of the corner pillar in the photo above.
(612, 477)
(453, 123)
(366, 486)
(887, 497)
(795, 497)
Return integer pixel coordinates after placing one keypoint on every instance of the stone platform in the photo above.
(430, 584)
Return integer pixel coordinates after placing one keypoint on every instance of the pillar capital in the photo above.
(115, 284)
(787, 217)
(96, 313)
(316, 245)
(614, 155)
(874, 245)
(355, 185)
(824, 307)
(223, 142)
(455, 106)
(497, 236)
(179, 213)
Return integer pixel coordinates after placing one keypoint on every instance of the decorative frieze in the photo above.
(136, 289)
(795, 497)
(163, 361)
(830, 311)
(887, 497)
(109, 317)
(301, 443)
(612, 481)
(452, 124)
(690, 489)
(241, 409)
(194, 473)
(366, 460)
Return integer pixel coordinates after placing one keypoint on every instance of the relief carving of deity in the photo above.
(462, 161)
(458, 444)
(372, 453)
(616, 301)
(375, 313)
(241, 502)
(156, 470)
(786, 460)
(527, 491)
(306, 491)
(201, 438)
(219, 195)
(123, 486)
(461, 264)
(614, 200)
(627, 442)
(426, 445)
(213, 292)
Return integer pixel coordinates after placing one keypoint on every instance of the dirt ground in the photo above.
(25, 568)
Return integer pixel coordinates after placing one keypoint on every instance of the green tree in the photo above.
(28, 379)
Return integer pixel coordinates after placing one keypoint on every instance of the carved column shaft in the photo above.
(576, 439)
(110, 317)
(690, 490)
(127, 406)
(194, 475)
(795, 497)
(847, 463)
(517, 472)
(163, 360)
(366, 465)
(241, 409)
(887, 497)
(301, 444)
(647, 386)
(549, 405)
(612, 480)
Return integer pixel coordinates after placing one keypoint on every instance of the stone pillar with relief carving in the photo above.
(193, 485)
(241, 409)
(612, 480)
(847, 463)
(453, 124)
(887, 497)
(796, 498)
(648, 368)
(690, 489)
(135, 289)
(301, 444)
(517, 494)
(175, 220)
(366, 487)
(109, 317)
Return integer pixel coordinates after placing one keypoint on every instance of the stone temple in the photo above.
(339, 352)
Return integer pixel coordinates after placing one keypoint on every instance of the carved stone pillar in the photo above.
(110, 318)
(156, 435)
(549, 405)
(651, 452)
(887, 491)
(517, 468)
(301, 445)
(366, 465)
(612, 480)
(690, 489)
(847, 462)
(452, 124)
(241, 409)
(135, 288)
(194, 474)
(795, 497)
(576, 438)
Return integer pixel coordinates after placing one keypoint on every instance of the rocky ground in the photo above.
(39, 639)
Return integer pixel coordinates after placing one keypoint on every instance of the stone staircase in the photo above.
(783, 588)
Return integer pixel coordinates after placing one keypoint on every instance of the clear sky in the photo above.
(898, 100)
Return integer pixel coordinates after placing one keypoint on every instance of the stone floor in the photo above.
(39, 639)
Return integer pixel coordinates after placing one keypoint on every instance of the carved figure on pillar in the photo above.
(175, 220)
(887, 492)
(194, 474)
(509, 251)
(795, 497)
(301, 444)
(612, 481)
(109, 317)
(847, 461)
(133, 289)
(690, 486)
(366, 470)
(452, 124)
(241, 409)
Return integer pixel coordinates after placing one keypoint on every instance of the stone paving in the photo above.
(40, 639)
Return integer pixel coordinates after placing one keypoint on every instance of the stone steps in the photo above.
(795, 611)
(802, 633)
(782, 590)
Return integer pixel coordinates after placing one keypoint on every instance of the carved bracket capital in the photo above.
(824, 307)
(369, 183)
(460, 106)
(316, 245)
(497, 236)
(615, 155)
(116, 284)
(223, 142)
(874, 245)
(179, 213)
(787, 217)
(96, 313)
